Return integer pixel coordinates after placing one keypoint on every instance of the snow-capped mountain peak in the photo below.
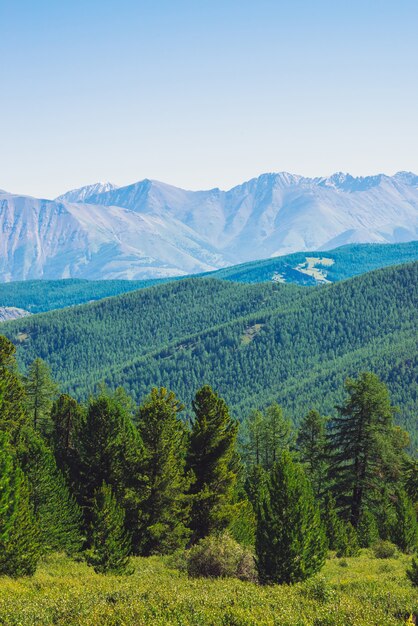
(83, 193)
(150, 228)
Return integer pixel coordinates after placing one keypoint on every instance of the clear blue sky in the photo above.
(204, 93)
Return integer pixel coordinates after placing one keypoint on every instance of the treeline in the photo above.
(38, 296)
(107, 480)
(256, 344)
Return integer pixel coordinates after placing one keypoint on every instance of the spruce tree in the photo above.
(278, 435)
(367, 530)
(405, 528)
(56, 513)
(67, 418)
(9, 487)
(111, 451)
(335, 529)
(165, 512)
(290, 539)
(253, 438)
(40, 392)
(362, 440)
(212, 460)
(20, 549)
(12, 414)
(110, 545)
(311, 444)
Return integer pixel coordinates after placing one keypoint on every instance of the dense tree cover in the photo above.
(37, 296)
(106, 480)
(257, 344)
(350, 260)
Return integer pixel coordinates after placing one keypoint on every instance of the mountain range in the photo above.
(150, 229)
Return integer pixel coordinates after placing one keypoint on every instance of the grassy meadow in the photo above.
(361, 591)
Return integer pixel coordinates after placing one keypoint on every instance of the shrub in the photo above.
(384, 550)
(413, 573)
(220, 556)
(318, 589)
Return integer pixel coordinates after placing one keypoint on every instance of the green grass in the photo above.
(368, 592)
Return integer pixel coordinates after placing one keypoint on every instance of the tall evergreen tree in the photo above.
(110, 545)
(411, 478)
(12, 414)
(290, 540)
(405, 529)
(212, 460)
(312, 446)
(9, 487)
(165, 512)
(56, 513)
(254, 438)
(335, 529)
(40, 393)
(367, 530)
(111, 451)
(67, 418)
(278, 434)
(362, 439)
(20, 550)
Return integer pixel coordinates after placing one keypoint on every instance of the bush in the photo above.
(220, 556)
(318, 589)
(384, 550)
(413, 573)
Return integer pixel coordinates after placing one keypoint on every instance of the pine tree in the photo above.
(335, 529)
(20, 550)
(110, 545)
(362, 438)
(290, 539)
(411, 478)
(67, 418)
(212, 460)
(40, 392)
(12, 414)
(367, 530)
(57, 515)
(412, 573)
(254, 438)
(405, 529)
(111, 451)
(348, 543)
(311, 444)
(278, 435)
(165, 512)
(9, 485)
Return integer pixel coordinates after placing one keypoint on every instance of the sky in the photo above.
(204, 93)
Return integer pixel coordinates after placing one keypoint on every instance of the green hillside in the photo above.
(302, 268)
(253, 343)
(338, 264)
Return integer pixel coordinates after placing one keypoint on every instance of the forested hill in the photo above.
(254, 343)
(302, 268)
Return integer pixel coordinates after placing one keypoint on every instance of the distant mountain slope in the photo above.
(254, 343)
(83, 194)
(151, 229)
(11, 313)
(47, 239)
(39, 296)
(311, 268)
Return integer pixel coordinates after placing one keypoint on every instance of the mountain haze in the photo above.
(150, 229)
